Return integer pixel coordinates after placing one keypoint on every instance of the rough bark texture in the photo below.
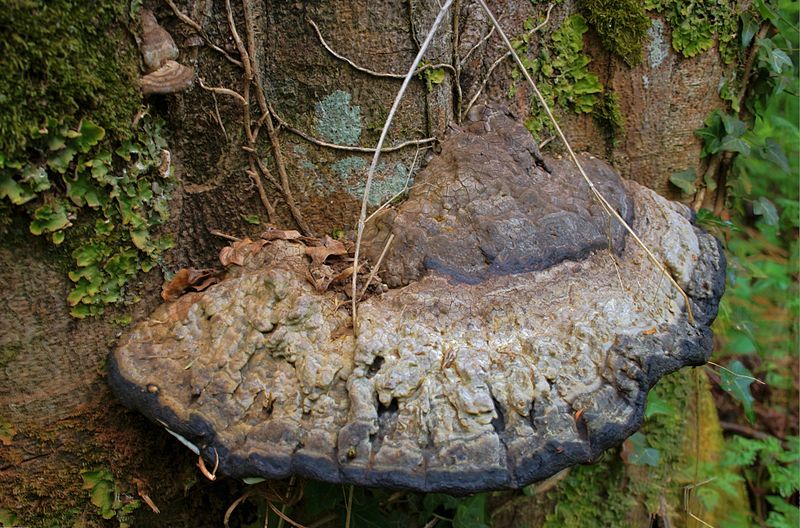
(52, 385)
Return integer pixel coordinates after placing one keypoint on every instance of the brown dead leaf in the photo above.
(330, 247)
(650, 331)
(280, 234)
(185, 278)
(239, 250)
(344, 274)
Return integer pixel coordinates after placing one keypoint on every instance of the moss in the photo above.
(621, 25)
(609, 117)
(63, 60)
(8, 353)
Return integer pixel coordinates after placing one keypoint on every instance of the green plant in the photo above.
(621, 25)
(696, 24)
(105, 494)
(69, 180)
(63, 60)
(561, 72)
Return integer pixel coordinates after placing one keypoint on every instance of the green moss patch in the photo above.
(621, 25)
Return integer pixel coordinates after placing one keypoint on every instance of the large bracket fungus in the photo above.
(521, 335)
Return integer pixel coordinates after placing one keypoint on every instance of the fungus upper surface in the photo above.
(492, 368)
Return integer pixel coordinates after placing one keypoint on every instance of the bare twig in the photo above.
(374, 73)
(377, 267)
(218, 117)
(374, 165)
(217, 232)
(600, 198)
(283, 516)
(223, 91)
(349, 148)
(194, 25)
(500, 60)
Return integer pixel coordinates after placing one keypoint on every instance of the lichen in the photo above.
(352, 172)
(658, 49)
(337, 121)
(63, 60)
(621, 25)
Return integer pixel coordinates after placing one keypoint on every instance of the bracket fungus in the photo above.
(521, 335)
(160, 53)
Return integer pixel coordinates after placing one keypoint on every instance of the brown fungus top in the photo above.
(474, 375)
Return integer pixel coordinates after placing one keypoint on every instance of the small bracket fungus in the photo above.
(521, 337)
(160, 54)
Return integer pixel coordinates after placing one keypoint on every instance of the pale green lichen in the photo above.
(337, 121)
(386, 183)
(658, 50)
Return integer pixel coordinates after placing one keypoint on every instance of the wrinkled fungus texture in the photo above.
(473, 376)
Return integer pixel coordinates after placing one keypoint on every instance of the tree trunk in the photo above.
(62, 417)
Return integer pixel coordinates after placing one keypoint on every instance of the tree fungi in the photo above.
(521, 337)
(160, 53)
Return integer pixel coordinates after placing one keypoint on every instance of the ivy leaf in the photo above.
(657, 405)
(749, 29)
(684, 181)
(15, 192)
(636, 451)
(471, 512)
(773, 151)
(734, 144)
(736, 381)
(766, 209)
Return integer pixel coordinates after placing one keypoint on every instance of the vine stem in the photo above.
(371, 172)
(600, 198)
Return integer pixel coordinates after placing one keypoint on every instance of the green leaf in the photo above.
(684, 181)
(15, 192)
(736, 381)
(57, 237)
(641, 454)
(773, 151)
(36, 177)
(766, 209)
(253, 480)
(252, 219)
(471, 512)
(434, 75)
(734, 144)
(749, 28)
(90, 135)
(49, 218)
(60, 161)
(657, 405)
(82, 190)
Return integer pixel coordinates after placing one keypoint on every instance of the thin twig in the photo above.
(194, 25)
(374, 73)
(223, 91)
(500, 60)
(377, 267)
(349, 148)
(600, 198)
(219, 118)
(217, 232)
(736, 373)
(376, 156)
(349, 507)
(284, 516)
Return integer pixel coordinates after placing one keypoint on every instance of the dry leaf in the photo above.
(650, 331)
(185, 278)
(280, 234)
(239, 250)
(344, 274)
(318, 254)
